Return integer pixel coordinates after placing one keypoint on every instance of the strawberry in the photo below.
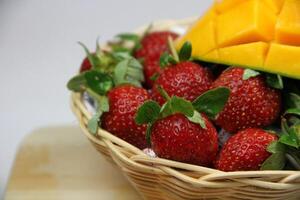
(246, 150)
(180, 130)
(252, 103)
(85, 65)
(152, 46)
(185, 79)
(151, 68)
(177, 138)
(124, 101)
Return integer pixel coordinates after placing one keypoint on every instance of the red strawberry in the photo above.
(185, 79)
(152, 46)
(124, 101)
(245, 150)
(251, 103)
(85, 65)
(150, 68)
(177, 138)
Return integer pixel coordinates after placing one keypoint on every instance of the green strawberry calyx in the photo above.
(285, 152)
(151, 111)
(272, 80)
(184, 54)
(109, 69)
(129, 42)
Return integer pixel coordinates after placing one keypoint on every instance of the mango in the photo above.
(236, 27)
(284, 60)
(197, 37)
(258, 34)
(288, 23)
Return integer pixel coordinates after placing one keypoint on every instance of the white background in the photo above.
(39, 53)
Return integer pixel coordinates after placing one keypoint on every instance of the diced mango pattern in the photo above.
(288, 23)
(236, 27)
(258, 34)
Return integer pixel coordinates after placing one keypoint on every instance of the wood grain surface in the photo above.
(59, 163)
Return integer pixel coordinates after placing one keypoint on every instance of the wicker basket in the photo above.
(163, 179)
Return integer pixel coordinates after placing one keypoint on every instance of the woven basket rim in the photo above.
(289, 179)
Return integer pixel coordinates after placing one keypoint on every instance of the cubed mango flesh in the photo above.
(203, 39)
(275, 5)
(283, 59)
(236, 27)
(258, 34)
(288, 23)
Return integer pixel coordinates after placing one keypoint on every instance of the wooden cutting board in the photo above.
(59, 163)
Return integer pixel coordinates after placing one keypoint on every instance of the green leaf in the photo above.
(177, 105)
(77, 83)
(290, 139)
(94, 59)
(166, 59)
(136, 39)
(120, 72)
(185, 51)
(182, 106)
(212, 102)
(93, 123)
(120, 49)
(103, 103)
(120, 56)
(293, 111)
(129, 70)
(198, 119)
(166, 110)
(293, 158)
(294, 121)
(274, 81)
(248, 73)
(284, 126)
(99, 82)
(135, 70)
(147, 113)
(129, 37)
(275, 147)
(275, 162)
(292, 100)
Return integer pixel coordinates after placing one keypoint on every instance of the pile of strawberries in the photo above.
(154, 97)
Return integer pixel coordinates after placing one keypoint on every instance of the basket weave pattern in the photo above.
(160, 179)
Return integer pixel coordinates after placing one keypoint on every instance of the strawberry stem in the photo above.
(163, 93)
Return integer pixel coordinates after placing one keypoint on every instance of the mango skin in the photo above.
(264, 35)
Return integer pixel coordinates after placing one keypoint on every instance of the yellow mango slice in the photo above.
(224, 5)
(212, 56)
(248, 55)
(252, 54)
(288, 24)
(204, 38)
(284, 60)
(248, 22)
(258, 34)
(275, 5)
